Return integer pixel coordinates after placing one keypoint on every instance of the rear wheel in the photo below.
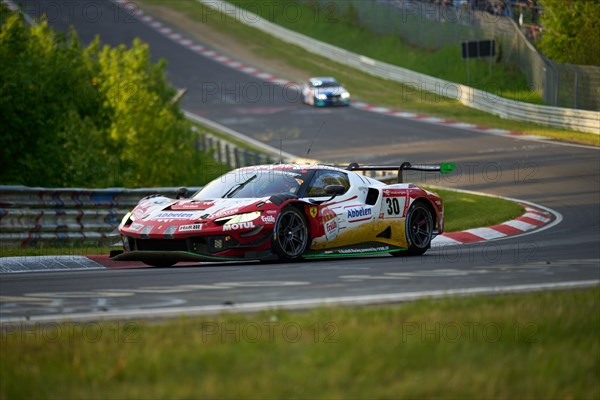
(290, 235)
(419, 230)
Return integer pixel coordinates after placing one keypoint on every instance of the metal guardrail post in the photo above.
(236, 155)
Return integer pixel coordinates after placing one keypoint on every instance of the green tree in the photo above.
(571, 31)
(94, 116)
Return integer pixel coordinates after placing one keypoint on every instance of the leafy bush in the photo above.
(571, 31)
(89, 116)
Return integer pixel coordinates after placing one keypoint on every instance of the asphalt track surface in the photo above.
(562, 177)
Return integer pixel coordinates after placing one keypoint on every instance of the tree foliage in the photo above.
(571, 31)
(88, 116)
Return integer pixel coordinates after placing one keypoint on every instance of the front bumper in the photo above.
(332, 101)
(178, 256)
(196, 248)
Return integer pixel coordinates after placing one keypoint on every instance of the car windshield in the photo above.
(325, 84)
(254, 183)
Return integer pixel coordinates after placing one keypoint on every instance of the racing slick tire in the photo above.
(419, 230)
(290, 235)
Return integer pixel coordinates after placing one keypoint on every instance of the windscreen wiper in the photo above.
(236, 188)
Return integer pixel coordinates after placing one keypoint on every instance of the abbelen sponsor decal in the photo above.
(193, 227)
(358, 213)
(241, 225)
(268, 219)
(175, 215)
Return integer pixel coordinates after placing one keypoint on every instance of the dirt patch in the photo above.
(223, 43)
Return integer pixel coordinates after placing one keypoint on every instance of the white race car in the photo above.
(324, 91)
(286, 212)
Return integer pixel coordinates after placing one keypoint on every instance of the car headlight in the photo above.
(345, 95)
(322, 96)
(126, 218)
(239, 218)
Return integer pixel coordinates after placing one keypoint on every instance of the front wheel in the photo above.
(290, 235)
(419, 230)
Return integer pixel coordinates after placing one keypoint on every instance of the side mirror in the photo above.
(334, 190)
(182, 193)
(331, 190)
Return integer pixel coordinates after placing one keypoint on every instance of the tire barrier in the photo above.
(32, 217)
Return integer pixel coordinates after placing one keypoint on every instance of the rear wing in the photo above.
(444, 168)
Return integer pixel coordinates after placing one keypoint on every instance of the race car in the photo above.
(325, 91)
(286, 212)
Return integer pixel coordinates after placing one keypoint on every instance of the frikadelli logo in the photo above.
(174, 215)
(193, 227)
(330, 225)
(268, 219)
(241, 225)
(358, 214)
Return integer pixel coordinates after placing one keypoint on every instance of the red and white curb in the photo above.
(181, 39)
(535, 219)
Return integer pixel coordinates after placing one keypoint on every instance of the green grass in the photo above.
(542, 345)
(363, 87)
(465, 211)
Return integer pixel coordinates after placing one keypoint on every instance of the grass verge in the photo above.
(273, 52)
(465, 211)
(541, 345)
(55, 250)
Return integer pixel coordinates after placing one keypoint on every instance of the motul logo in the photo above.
(241, 225)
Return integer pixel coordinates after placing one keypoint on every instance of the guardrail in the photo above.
(58, 217)
(566, 118)
(230, 154)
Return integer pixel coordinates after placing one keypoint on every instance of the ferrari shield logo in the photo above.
(313, 212)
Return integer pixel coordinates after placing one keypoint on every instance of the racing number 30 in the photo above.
(393, 206)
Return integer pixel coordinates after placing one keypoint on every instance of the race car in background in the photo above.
(286, 212)
(325, 91)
